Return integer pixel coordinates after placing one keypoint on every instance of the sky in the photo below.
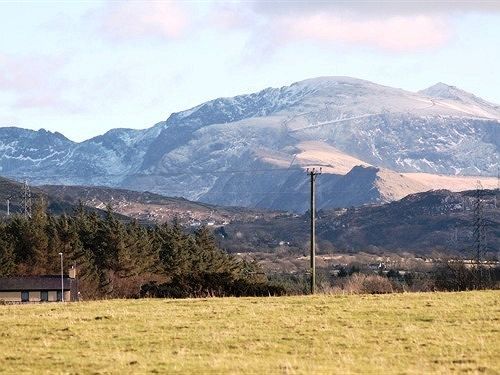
(84, 67)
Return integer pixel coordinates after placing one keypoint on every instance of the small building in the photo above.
(46, 288)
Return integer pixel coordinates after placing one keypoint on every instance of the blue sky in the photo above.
(82, 68)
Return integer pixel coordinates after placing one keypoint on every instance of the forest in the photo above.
(122, 259)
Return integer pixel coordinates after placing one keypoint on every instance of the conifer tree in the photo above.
(140, 245)
(38, 238)
(175, 249)
(7, 259)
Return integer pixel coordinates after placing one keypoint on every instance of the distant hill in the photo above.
(151, 207)
(420, 223)
(143, 206)
(13, 191)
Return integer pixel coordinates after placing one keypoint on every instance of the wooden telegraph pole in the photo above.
(313, 173)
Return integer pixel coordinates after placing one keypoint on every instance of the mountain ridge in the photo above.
(391, 129)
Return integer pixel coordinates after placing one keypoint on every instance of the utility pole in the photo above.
(62, 278)
(8, 206)
(498, 186)
(479, 232)
(313, 173)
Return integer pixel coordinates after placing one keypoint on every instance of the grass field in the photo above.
(396, 333)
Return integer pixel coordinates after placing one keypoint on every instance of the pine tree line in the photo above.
(124, 259)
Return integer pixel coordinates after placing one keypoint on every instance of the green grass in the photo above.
(397, 333)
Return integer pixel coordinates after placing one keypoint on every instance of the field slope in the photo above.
(397, 333)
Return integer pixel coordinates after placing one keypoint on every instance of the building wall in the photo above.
(34, 296)
(52, 296)
(10, 296)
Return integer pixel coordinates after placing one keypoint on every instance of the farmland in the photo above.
(394, 333)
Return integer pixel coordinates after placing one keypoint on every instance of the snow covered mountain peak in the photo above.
(336, 97)
(336, 83)
(273, 100)
(455, 97)
(444, 91)
(332, 81)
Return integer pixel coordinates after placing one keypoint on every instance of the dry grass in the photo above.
(395, 333)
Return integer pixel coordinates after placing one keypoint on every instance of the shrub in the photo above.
(418, 282)
(209, 285)
(393, 274)
(368, 284)
(456, 276)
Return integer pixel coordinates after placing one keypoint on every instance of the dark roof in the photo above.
(46, 282)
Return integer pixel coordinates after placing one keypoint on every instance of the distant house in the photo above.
(45, 288)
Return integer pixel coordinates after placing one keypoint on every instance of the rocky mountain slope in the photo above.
(251, 150)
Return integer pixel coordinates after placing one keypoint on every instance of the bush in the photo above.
(393, 274)
(293, 284)
(368, 284)
(209, 285)
(456, 276)
(418, 282)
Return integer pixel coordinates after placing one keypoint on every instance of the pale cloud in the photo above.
(102, 91)
(42, 82)
(9, 121)
(392, 26)
(398, 34)
(227, 16)
(375, 7)
(26, 72)
(143, 19)
(34, 81)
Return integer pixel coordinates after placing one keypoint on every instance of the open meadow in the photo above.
(394, 333)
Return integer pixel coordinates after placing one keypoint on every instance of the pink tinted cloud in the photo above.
(230, 16)
(142, 19)
(34, 81)
(384, 26)
(41, 99)
(384, 8)
(397, 34)
(24, 73)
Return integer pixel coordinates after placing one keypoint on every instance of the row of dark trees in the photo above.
(124, 259)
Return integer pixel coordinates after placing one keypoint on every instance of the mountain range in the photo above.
(374, 144)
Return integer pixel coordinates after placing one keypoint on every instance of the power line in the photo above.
(171, 174)
(479, 232)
